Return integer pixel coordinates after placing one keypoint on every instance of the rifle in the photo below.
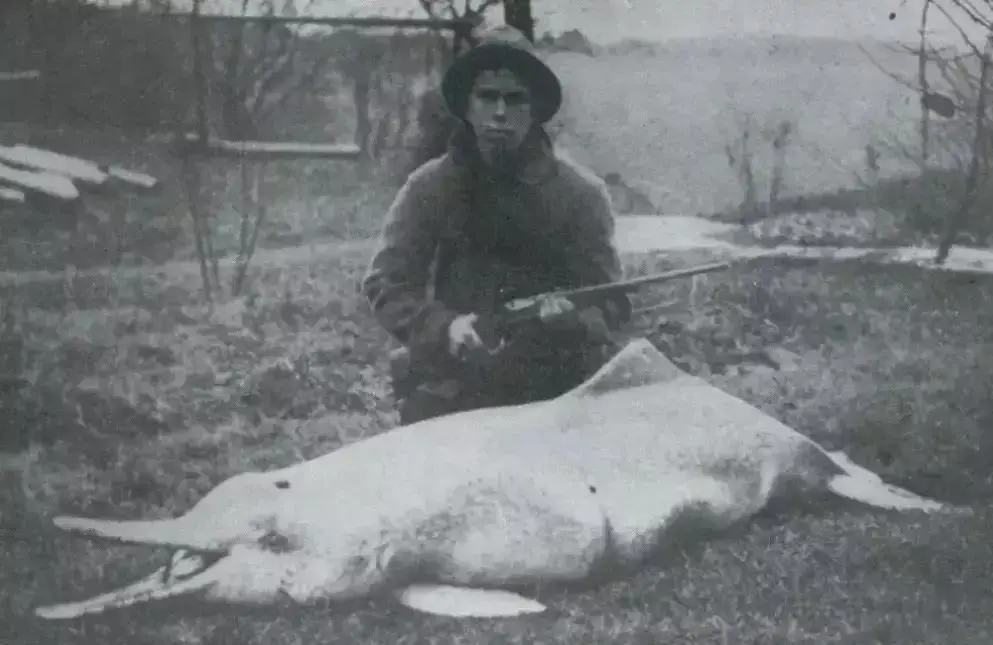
(523, 311)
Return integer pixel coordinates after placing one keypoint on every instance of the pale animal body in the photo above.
(449, 513)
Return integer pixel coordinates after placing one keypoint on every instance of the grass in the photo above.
(893, 367)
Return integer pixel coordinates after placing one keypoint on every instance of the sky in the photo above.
(606, 21)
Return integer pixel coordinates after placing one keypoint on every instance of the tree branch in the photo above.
(896, 77)
(965, 37)
(967, 7)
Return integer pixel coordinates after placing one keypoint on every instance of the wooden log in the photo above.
(77, 169)
(25, 75)
(132, 178)
(46, 183)
(83, 170)
(191, 145)
(12, 195)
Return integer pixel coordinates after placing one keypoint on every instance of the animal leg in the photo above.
(463, 602)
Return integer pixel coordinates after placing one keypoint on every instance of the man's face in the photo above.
(499, 112)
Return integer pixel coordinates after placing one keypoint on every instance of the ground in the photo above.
(891, 366)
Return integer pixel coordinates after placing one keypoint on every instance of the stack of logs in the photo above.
(50, 189)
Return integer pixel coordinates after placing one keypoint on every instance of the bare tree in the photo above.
(517, 13)
(963, 137)
(468, 13)
(358, 58)
(780, 140)
(972, 89)
(930, 101)
(925, 125)
(255, 68)
(740, 156)
(435, 124)
(259, 66)
(978, 164)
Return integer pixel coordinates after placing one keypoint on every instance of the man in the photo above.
(498, 217)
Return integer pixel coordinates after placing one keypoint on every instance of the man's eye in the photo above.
(512, 98)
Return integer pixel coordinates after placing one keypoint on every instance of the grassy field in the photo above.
(139, 410)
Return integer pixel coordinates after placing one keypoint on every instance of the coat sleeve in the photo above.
(396, 283)
(593, 255)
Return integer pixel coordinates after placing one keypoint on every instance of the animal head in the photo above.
(238, 511)
(231, 547)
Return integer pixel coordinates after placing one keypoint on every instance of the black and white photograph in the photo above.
(496, 322)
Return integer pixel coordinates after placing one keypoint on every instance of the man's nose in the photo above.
(500, 108)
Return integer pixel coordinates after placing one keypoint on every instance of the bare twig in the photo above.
(253, 215)
(192, 179)
(974, 14)
(469, 18)
(256, 73)
(925, 124)
(964, 36)
(896, 77)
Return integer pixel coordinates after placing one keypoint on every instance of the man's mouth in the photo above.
(497, 134)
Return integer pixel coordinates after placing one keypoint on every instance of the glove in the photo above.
(463, 340)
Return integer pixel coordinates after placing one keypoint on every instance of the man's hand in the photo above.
(554, 308)
(464, 341)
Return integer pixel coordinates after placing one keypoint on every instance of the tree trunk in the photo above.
(957, 219)
(435, 125)
(517, 14)
(925, 124)
(362, 99)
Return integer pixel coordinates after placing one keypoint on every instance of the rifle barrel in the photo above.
(633, 283)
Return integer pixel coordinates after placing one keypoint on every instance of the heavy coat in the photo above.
(458, 239)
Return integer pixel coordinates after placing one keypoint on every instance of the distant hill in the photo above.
(662, 114)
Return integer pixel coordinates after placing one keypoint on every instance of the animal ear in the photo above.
(463, 602)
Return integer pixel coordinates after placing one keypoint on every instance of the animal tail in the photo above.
(863, 485)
